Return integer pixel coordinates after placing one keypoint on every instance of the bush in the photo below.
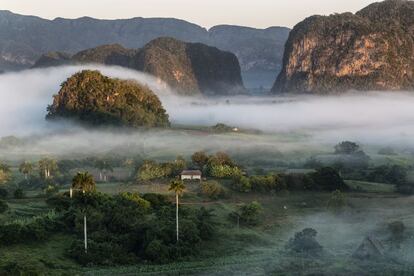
(212, 189)
(156, 200)
(265, 184)
(248, 214)
(242, 184)
(157, 251)
(395, 174)
(100, 253)
(328, 179)
(151, 170)
(305, 242)
(346, 147)
(224, 171)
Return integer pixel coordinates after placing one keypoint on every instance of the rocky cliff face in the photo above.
(23, 39)
(370, 50)
(189, 68)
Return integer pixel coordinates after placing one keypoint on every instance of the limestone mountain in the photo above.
(370, 50)
(189, 68)
(23, 39)
(91, 98)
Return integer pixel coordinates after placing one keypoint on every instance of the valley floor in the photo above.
(251, 250)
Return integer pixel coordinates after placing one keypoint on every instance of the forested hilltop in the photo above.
(370, 50)
(189, 68)
(94, 99)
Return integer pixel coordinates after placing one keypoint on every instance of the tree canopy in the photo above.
(92, 98)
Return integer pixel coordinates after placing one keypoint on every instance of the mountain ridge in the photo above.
(372, 49)
(24, 38)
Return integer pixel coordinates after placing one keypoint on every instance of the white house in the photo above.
(191, 175)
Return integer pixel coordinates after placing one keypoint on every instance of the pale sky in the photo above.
(207, 13)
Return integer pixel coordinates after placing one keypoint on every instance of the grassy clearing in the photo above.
(370, 187)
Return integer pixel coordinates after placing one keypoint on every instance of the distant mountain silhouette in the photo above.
(23, 39)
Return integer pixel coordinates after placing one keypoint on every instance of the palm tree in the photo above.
(84, 182)
(26, 168)
(178, 187)
(4, 173)
(47, 167)
(103, 166)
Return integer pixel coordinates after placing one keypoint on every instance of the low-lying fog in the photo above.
(369, 118)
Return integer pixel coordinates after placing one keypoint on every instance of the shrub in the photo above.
(265, 184)
(224, 171)
(242, 184)
(156, 200)
(157, 251)
(151, 170)
(346, 147)
(212, 189)
(305, 242)
(328, 179)
(200, 159)
(248, 214)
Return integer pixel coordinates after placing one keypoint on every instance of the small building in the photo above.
(370, 248)
(191, 175)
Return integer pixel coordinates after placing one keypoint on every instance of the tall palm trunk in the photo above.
(176, 213)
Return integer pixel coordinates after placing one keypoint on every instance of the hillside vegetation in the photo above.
(92, 98)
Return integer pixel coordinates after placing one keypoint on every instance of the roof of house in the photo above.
(370, 247)
(191, 172)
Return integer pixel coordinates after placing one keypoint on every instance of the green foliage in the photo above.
(84, 182)
(328, 179)
(150, 170)
(212, 189)
(135, 199)
(36, 229)
(347, 147)
(48, 168)
(177, 186)
(92, 98)
(51, 189)
(305, 242)
(394, 174)
(269, 183)
(200, 159)
(248, 214)
(242, 184)
(224, 171)
(26, 168)
(156, 200)
(5, 173)
(127, 227)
